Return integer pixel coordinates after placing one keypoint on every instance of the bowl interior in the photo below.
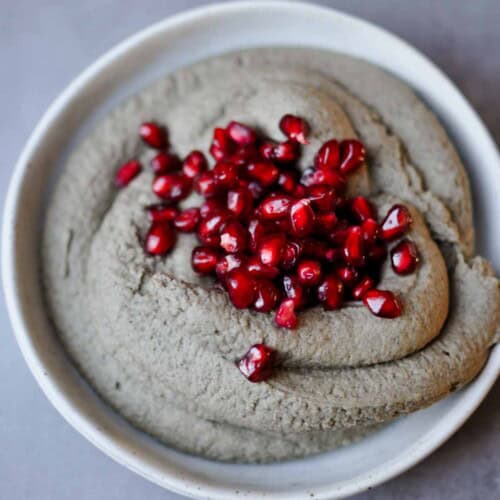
(127, 68)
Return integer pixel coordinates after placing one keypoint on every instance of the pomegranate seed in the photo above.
(331, 292)
(362, 288)
(299, 191)
(240, 201)
(382, 303)
(210, 206)
(226, 264)
(153, 135)
(291, 254)
(328, 156)
(258, 363)
(267, 296)
(208, 228)
(396, 223)
(294, 291)
(309, 272)
(127, 172)
(241, 288)
(225, 174)
(205, 185)
(165, 162)
(325, 223)
(258, 270)
(270, 249)
(233, 237)
(404, 257)
(318, 177)
(171, 187)
(376, 254)
(286, 152)
(222, 146)
(322, 197)
(347, 274)
(370, 230)
(352, 155)
(241, 134)
(161, 212)
(204, 259)
(354, 252)
(275, 207)
(160, 238)
(362, 209)
(295, 128)
(194, 164)
(187, 220)
(301, 218)
(285, 315)
(264, 172)
(287, 182)
(245, 155)
(256, 230)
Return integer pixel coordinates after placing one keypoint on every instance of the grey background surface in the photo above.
(43, 45)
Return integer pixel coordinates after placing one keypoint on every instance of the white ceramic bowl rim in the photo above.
(102, 427)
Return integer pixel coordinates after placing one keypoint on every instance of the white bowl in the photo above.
(127, 68)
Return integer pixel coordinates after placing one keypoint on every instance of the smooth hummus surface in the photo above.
(159, 344)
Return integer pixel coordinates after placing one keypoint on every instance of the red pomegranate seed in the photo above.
(331, 292)
(241, 288)
(233, 237)
(354, 251)
(275, 207)
(256, 230)
(161, 212)
(404, 257)
(222, 146)
(302, 218)
(396, 223)
(299, 191)
(322, 197)
(267, 296)
(352, 155)
(205, 184)
(295, 128)
(153, 135)
(362, 209)
(210, 206)
(362, 288)
(376, 254)
(264, 172)
(194, 164)
(325, 223)
(318, 177)
(165, 162)
(328, 156)
(270, 249)
(291, 254)
(204, 259)
(258, 270)
(241, 134)
(160, 238)
(382, 303)
(245, 155)
(285, 315)
(309, 272)
(208, 228)
(187, 220)
(294, 291)
(348, 275)
(171, 187)
(127, 172)
(287, 181)
(370, 230)
(258, 363)
(240, 201)
(225, 174)
(227, 263)
(286, 152)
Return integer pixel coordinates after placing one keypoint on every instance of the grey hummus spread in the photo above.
(159, 344)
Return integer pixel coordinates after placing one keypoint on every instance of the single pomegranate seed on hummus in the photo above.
(171, 187)
(194, 164)
(160, 238)
(153, 135)
(295, 128)
(187, 220)
(396, 223)
(205, 184)
(352, 155)
(164, 162)
(321, 177)
(404, 257)
(328, 156)
(241, 134)
(162, 212)
(241, 288)
(331, 292)
(258, 363)
(382, 303)
(285, 315)
(265, 172)
(204, 259)
(127, 172)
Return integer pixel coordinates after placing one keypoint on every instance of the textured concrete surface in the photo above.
(43, 45)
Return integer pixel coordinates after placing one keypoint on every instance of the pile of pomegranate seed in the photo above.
(276, 239)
